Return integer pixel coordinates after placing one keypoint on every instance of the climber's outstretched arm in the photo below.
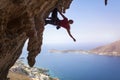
(61, 14)
(71, 35)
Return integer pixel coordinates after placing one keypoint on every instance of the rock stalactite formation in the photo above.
(21, 20)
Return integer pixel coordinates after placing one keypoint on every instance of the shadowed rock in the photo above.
(21, 20)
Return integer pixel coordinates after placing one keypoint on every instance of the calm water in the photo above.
(74, 66)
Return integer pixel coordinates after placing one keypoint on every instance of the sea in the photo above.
(77, 66)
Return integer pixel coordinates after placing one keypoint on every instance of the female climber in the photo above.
(65, 23)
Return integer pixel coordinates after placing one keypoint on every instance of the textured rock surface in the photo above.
(21, 71)
(21, 20)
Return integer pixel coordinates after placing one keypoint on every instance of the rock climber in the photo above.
(65, 23)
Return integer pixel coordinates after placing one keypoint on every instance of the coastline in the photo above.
(32, 73)
(85, 52)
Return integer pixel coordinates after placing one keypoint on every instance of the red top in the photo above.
(64, 23)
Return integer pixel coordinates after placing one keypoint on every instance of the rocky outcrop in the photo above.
(33, 73)
(21, 20)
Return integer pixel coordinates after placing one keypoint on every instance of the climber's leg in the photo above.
(54, 20)
(49, 22)
(54, 15)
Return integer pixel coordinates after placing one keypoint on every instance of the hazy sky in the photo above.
(93, 23)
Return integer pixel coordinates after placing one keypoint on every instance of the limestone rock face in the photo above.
(21, 20)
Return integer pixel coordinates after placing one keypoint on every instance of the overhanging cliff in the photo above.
(21, 20)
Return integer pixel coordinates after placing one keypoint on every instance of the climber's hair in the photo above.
(70, 21)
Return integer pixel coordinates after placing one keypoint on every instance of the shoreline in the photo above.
(34, 73)
(116, 54)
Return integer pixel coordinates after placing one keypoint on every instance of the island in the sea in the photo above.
(112, 49)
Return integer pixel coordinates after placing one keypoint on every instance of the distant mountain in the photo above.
(110, 49)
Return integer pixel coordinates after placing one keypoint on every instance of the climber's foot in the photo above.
(57, 27)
